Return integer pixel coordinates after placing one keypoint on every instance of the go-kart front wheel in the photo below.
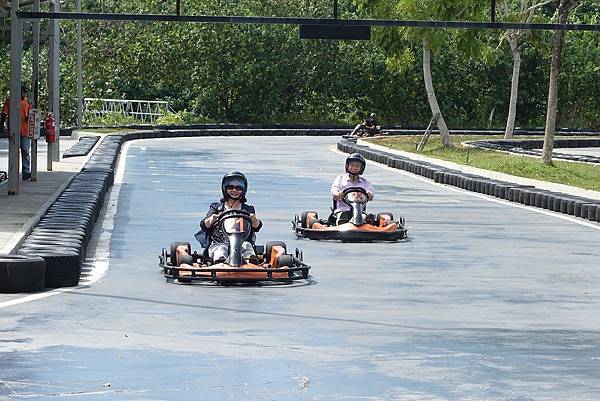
(307, 218)
(380, 215)
(285, 261)
(269, 248)
(173, 253)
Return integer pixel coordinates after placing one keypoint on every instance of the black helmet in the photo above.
(356, 157)
(234, 178)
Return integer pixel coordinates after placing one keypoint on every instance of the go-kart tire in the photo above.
(381, 214)
(269, 248)
(286, 261)
(303, 221)
(173, 253)
(312, 222)
(63, 266)
(187, 259)
(22, 273)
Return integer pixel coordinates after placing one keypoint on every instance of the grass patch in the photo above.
(580, 175)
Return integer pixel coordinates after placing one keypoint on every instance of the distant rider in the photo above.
(367, 128)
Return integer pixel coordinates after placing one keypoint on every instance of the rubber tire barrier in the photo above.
(22, 274)
(525, 194)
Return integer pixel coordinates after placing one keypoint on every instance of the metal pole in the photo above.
(79, 71)
(335, 9)
(16, 55)
(35, 79)
(493, 11)
(178, 7)
(54, 82)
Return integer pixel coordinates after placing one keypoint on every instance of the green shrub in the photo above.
(183, 117)
(110, 119)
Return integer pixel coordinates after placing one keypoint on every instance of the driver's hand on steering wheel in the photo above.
(209, 221)
(255, 220)
(337, 196)
(370, 195)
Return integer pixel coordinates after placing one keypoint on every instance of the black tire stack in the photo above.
(82, 147)
(61, 235)
(21, 273)
(584, 208)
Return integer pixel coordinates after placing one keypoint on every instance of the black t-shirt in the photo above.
(370, 122)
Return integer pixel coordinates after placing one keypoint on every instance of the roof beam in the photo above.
(225, 19)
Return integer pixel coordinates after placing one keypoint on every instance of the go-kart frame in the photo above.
(221, 274)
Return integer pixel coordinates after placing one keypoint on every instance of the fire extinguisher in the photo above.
(50, 128)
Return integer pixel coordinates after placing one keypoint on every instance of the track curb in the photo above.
(569, 204)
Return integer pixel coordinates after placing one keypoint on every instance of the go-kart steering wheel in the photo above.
(234, 213)
(350, 190)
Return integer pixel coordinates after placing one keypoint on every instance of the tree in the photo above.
(430, 39)
(564, 8)
(523, 12)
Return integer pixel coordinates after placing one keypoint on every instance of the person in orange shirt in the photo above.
(24, 131)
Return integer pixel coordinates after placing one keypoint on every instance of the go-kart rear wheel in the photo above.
(380, 215)
(285, 261)
(304, 220)
(173, 253)
(259, 249)
(269, 248)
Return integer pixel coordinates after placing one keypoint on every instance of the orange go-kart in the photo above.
(360, 228)
(272, 263)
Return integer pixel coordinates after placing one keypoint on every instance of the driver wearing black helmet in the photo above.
(367, 128)
(234, 187)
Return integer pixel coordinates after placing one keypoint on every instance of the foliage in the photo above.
(110, 119)
(260, 73)
(182, 117)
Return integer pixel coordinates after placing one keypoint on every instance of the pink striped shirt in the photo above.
(342, 182)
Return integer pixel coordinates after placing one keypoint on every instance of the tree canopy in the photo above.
(262, 73)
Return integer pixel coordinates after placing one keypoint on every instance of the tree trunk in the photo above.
(433, 104)
(564, 9)
(514, 88)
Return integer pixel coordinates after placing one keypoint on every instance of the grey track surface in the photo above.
(487, 301)
(581, 151)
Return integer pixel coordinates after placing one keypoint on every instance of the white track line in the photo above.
(481, 196)
(95, 266)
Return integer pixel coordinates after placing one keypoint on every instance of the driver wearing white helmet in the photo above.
(355, 167)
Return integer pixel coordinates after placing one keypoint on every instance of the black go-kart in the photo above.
(272, 262)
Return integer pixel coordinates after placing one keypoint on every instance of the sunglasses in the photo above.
(236, 187)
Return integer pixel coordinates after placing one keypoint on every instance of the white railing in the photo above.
(144, 110)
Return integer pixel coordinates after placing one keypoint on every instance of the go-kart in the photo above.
(272, 262)
(366, 132)
(360, 228)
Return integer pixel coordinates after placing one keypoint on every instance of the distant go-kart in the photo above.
(273, 263)
(358, 229)
(366, 132)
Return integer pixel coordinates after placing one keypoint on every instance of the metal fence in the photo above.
(144, 110)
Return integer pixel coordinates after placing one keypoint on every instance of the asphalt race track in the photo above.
(486, 301)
